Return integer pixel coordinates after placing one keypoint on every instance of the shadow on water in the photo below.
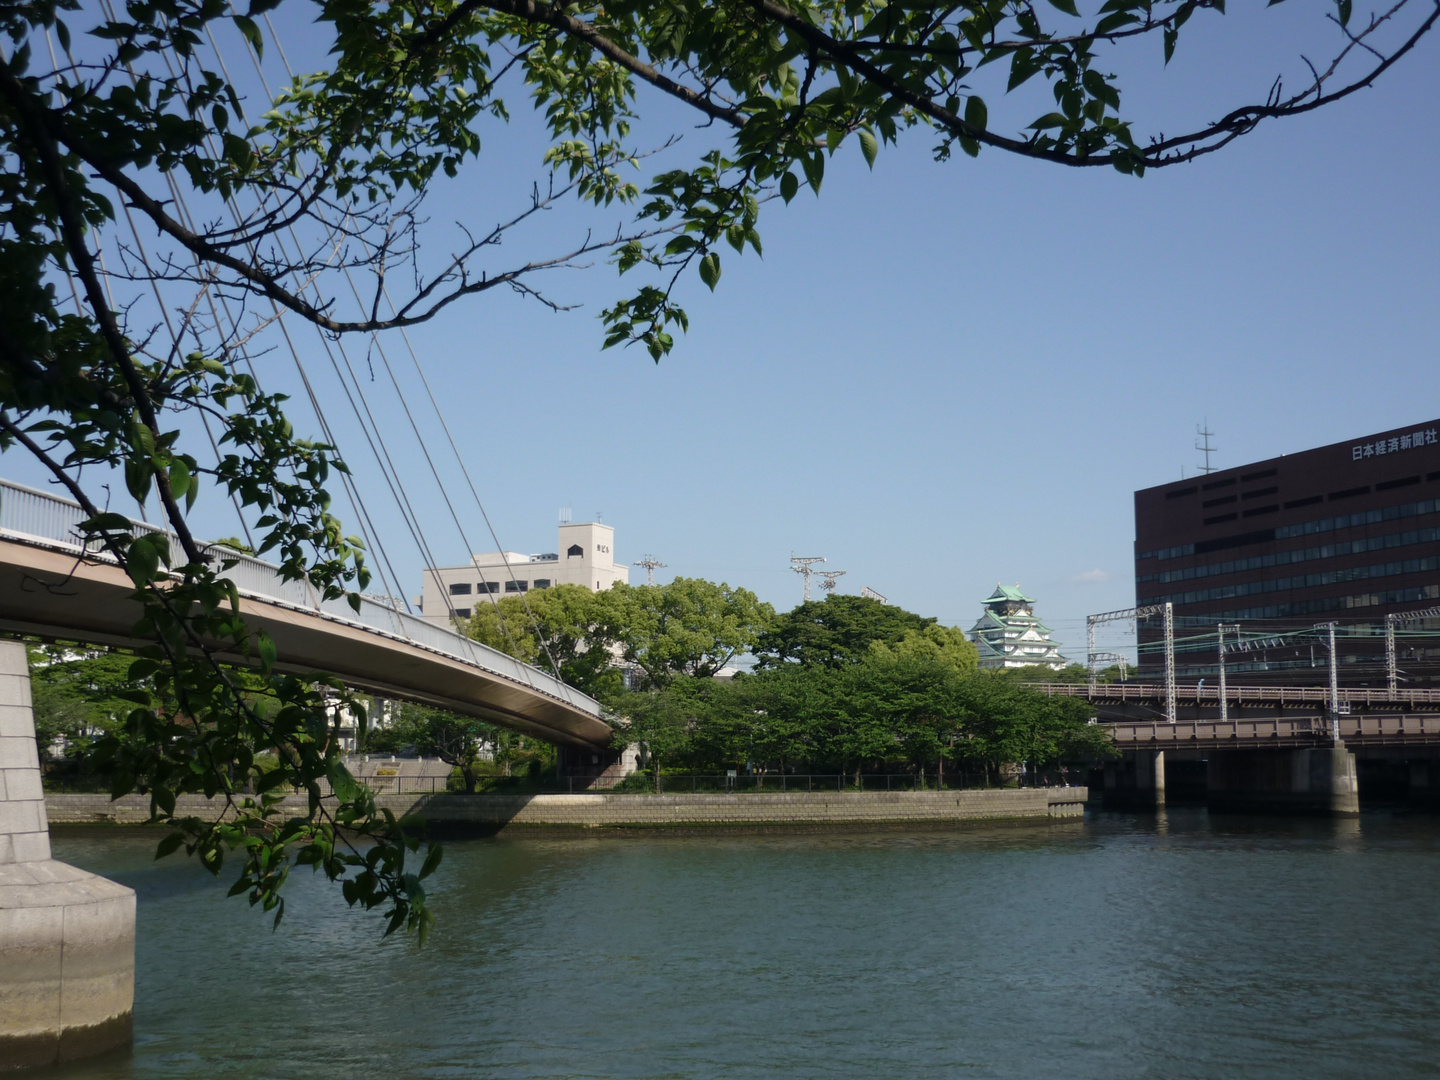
(1174, 945)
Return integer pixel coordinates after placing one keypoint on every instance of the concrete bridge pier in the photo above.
(67, 937)
(1137, 779)
(1310, 780)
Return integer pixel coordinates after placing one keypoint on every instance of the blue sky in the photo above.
(944, 376)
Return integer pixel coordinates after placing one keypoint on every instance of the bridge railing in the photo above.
(39, 517)
(1357, 695)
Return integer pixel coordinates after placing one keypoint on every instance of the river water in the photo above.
(1129, 946)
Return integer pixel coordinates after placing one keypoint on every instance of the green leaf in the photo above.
(710, 270)
(251, 32)
(180, 479)
(814, 167)
(790, 185)
(1067, 6)
(265, 645)
(169, 845)
(976, 114)
(105, 523)
(142, 562)
(869, 147)
(164, 799)
(432, 860)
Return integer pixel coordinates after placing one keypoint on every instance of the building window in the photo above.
(542, 583)
(460, 588)
(462, 612)
(488, 587)
(573, 550)
(516, 586)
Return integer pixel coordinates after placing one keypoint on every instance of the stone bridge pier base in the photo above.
(1313, 780)
(67, 937)
(1136, 780)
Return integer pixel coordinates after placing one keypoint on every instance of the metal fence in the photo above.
(786, 783)
(643, 784)
(43, 519)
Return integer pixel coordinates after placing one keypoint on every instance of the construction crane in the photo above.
(829, 575)
(801, 565)
(651, 564)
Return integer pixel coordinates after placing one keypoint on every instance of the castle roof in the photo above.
(1006, 592)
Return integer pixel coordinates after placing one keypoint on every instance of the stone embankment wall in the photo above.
(601, 811)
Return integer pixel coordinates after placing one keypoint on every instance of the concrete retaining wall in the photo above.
(603, 810)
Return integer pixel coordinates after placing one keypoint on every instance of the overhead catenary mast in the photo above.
(651, 564)
(801, 565)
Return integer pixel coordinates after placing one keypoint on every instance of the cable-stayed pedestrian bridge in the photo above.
(52, 586)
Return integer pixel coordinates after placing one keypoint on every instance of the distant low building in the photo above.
(1009, 636)
(585, 556)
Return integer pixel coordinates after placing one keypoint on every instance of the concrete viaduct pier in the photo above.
(67, 937)
(1299, 780)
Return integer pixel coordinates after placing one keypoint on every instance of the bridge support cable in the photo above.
(175, 337)
(400, 394)
(383, 460)
(380, 348)
(365, 525)
(1134, 615)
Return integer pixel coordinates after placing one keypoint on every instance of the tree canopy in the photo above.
(837, 631)
(137, 169)
(911, 712)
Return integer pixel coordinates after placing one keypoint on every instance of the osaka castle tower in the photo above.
(1009, 636)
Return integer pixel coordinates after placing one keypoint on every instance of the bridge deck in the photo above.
(51, 587)
(1374, 729)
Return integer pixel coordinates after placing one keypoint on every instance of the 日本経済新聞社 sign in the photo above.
(1393, 445)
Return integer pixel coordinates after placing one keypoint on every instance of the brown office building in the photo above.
(1346, 533)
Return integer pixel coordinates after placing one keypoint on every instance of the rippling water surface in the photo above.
(1125, 947)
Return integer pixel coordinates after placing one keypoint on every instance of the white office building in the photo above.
(584, 555)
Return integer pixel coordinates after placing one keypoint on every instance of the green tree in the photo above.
(147, 119)
(835, 632)
(945, 645)
(1007, 723)
(688, 627)
(78, 693)
(459, 741)
(665, 721)
(566, 630)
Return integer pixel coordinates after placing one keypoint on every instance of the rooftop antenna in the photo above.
(1203, 445)
(651, 564)
(600, 517)
(829, 575)
(565, 515)
(801, 565)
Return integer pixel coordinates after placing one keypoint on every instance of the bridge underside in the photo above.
(1302, 774)
(51, 594)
